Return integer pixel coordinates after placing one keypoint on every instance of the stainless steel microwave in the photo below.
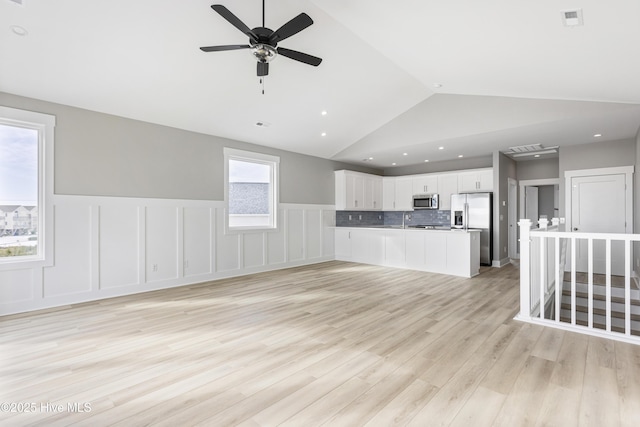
(425, 201)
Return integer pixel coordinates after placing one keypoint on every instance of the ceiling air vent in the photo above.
(18, 2)
(572, 18)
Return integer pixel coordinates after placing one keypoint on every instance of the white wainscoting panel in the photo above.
(17, 286)
(198, 241)
(227, 246)
(276, 243)
(111, 246)
(71, 271)
(119, 246)
(162, 243)
(295, 234)
(313, 233)
(253, 252)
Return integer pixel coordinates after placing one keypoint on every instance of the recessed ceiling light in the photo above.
(19, 31)
(323, 134)
(393, 164)
(405, 154)
(460, 155)
(324, 112)
(597, 135)
(537, 155)
(370, 158)
(426, 161)
(440, 148)
(437, 85)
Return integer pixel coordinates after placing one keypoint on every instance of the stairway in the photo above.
(599, 302)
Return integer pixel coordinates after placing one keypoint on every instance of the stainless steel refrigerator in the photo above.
(474, 211)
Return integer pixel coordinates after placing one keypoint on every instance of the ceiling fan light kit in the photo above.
(263, 42)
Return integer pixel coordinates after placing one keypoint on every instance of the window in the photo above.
(251, 194)
(26, 152)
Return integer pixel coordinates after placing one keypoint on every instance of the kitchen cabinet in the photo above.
(373, 192)
(476, 180)
(397, 193)
(447, 185)
(342, 242)
(357, 191)
(425, 184)
(438, 251)
(404, 194)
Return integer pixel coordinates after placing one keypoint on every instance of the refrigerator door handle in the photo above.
(466, 216)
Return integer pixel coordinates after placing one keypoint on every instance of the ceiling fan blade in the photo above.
(263, 69)
(292, 27)
(299, 56)
(227, 47)
(234, 20)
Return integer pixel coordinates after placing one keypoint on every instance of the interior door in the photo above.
(598, 206)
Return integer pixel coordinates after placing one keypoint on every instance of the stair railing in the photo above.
(543, 260)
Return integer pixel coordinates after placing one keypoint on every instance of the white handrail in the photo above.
(542, 277)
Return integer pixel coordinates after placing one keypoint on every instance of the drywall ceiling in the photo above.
(403, 77)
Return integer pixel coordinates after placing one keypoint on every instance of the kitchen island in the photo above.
(455, 252)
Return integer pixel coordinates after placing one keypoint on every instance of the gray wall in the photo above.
(443, 166)
(506, 168)
(537, 169)
(98, 154)
(592, 156)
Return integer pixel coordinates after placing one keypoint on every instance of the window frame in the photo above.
(45, 125)
(274, 197)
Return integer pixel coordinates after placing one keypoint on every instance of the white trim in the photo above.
(45, 125)
(249, 156)
(30, 289)
(500, 263)
(631, 339)
(533, 183)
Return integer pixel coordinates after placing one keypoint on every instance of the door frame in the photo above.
(533, 183)
(626, 170)
(512, 216)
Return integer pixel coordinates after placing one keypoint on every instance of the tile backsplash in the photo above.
(372, 218)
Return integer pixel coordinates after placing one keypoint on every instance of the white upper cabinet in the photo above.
(389, 193)
(361, 191)
(357, 191)
(447, 185)
(373, 192)
(404, 193)
(425, 184)
(397, 193)
(476, 180)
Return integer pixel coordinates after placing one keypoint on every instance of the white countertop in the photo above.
(400, 228)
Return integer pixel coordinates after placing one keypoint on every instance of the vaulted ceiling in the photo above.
(407, 76)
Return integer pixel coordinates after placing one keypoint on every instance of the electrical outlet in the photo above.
(359, 217)
(349, 217)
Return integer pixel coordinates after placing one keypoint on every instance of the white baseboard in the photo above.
(500, 263)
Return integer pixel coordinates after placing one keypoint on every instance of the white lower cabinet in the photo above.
(394, 248)
(414, 248)
(343, 243)
(448, 252)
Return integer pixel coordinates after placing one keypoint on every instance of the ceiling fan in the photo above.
(263, 41)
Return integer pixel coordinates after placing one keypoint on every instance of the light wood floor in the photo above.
(334, 344)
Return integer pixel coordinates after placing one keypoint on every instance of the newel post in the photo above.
(525, 268)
